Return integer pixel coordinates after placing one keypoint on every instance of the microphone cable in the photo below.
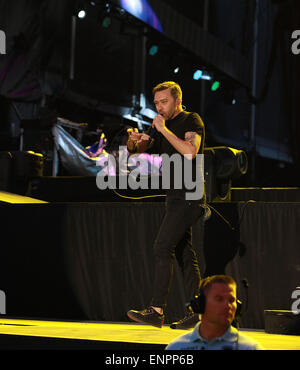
(138, 198)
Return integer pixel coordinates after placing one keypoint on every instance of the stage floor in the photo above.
(109, 335)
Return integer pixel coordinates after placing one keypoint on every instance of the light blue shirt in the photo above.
(232, 339)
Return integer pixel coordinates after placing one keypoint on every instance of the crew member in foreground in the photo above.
(177, 131)
(217, 304)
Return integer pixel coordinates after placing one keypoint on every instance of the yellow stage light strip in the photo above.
(18, 199)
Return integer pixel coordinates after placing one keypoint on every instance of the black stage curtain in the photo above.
(94, 261)
(32, 264)
(271, 264)
(110, 258)
(81, 261)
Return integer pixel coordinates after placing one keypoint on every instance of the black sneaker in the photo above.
(188, 322)
(148, 316)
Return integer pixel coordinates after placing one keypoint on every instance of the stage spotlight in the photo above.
(81, 14)
(215, 86)
(153, 50)
(104, 16)
(106, 22)
(202, 75)
(231, 163)
(176, 70)
(222, 166)
(197, 75)
(108, 8)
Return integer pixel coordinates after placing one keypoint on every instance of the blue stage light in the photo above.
(198, 74)
(153, 50)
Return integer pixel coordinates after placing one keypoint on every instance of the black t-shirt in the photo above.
(182, 123)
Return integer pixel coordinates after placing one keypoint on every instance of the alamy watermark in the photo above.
(2, 42)
(296, 304)
(296, 43)
(2, 303)
(176, 171)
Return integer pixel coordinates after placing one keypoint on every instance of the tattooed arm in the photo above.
(195, 140)
(188, 147)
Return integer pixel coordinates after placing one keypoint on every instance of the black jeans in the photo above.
(174, 239)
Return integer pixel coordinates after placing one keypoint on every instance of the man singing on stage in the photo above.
(183, 133)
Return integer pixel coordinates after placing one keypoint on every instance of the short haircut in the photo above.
(175, 89)
(209, 281)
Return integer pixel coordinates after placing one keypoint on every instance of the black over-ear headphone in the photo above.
(197, 304)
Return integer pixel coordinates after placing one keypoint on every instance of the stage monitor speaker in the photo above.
(282, 322)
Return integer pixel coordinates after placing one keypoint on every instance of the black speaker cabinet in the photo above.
(282, 322)
(17, 167)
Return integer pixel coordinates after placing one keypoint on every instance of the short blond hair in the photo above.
(175, 89)
(210, 280)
